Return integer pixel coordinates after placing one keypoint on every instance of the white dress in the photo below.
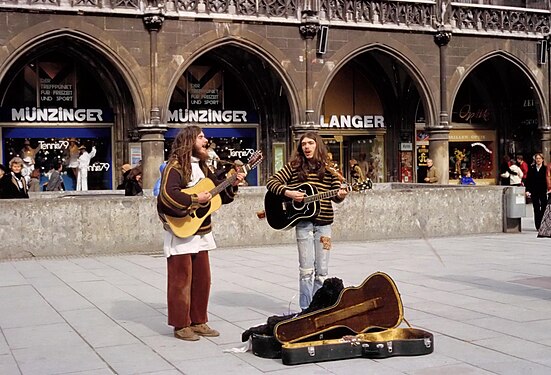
(190, 245)
(83, 163)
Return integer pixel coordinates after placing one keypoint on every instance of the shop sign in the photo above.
(205, 87)
(55, 93)
(99, 167)
(422, 156)
(353, 121)
(215, 116)
(422, 136)
(406, 146)
(471, 135)
(241, 154)
(57, 145)
(48, 115)
(467, 114)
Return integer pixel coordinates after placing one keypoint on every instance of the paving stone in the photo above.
(487, 304)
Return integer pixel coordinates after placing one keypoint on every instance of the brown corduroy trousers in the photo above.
(188, 289)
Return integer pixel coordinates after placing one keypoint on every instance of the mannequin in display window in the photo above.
(83, 164)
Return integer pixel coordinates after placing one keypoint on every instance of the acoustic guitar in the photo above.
(375, 304)
(188, 225)
(284, 213)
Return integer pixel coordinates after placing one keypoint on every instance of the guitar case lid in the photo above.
(374, 305)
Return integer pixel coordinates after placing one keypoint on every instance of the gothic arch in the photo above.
(251, 43)
(519, 59)
(33, 40)
(412, 64)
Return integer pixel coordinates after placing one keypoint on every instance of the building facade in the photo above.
(388, 83)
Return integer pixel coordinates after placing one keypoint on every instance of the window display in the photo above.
(47, 146)
(474, 151)
(369, 151)
(229, 145)
(476, 157)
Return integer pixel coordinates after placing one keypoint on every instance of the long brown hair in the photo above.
(318, 161)
(182, 150)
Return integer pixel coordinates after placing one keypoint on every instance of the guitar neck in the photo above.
(227, 182)
(324, 195)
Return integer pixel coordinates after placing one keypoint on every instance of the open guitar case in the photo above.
(363, 323)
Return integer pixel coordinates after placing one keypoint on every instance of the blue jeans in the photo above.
(314, 243)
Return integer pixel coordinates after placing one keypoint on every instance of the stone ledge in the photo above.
(69, 223)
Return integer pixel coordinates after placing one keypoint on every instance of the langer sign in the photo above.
(353, 121)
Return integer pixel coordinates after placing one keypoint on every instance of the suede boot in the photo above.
(186, 333)
(204, 330)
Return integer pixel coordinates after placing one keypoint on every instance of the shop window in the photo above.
(476, 157)
(231, 144)
(369, 151)
(51, 145)
(53, 81)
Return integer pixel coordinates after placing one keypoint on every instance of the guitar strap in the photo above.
(162, 217)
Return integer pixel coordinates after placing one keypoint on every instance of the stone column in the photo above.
(308, 28)
(439, 134)
(152, 132)
(545, 145)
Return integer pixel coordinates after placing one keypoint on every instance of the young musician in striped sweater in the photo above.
(309, 164)
(188, 267)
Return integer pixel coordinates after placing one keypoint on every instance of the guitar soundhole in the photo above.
(298, 205)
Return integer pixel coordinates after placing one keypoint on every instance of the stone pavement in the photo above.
(488, 304)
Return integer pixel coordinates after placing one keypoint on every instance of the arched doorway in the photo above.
(241, 104)
(369, 113)
(495, 114)
(64, 90)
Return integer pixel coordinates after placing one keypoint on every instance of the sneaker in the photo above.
(204, 330)
(186, 333)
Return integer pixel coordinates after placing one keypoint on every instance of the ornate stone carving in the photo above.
(153, 22)
(310, 24)
(442, 37)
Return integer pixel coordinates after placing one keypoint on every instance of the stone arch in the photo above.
(114, 53)
(412, 64)
(251, 43)
(518, 58)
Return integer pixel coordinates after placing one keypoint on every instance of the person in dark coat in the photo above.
(12, 184)
(134, 182)
(125, 170)
(505, 171)
(536, 188)
(55, 182)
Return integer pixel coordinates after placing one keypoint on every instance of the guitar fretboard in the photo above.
(324, 195)
(228, 181)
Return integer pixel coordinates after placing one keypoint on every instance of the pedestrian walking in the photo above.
(545, 227)
(536, 188)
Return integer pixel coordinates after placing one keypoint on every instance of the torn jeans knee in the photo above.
(325, 242)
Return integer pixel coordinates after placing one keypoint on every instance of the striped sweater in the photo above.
(287, 177)
(172, 201)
